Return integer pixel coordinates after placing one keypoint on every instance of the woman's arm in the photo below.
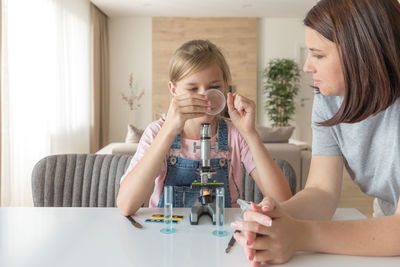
(321, 195)
(317, 201)
(298, 224)
(369, 237)
(277, 242)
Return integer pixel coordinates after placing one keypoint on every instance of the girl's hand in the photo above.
(184, 107)
(270, 235)
(242, 112)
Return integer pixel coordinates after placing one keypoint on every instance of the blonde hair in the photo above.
(194, 56)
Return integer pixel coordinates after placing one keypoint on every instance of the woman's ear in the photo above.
(172, 89)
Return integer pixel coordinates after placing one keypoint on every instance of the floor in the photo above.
(352, 197)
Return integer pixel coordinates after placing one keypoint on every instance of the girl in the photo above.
(165, 153)
(354, 57)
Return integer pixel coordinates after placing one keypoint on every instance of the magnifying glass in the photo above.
(217, 99)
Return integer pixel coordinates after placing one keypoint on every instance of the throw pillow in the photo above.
(275, 134)
(133, 135)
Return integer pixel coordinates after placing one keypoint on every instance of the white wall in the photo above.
(278, 38)
(130, 52)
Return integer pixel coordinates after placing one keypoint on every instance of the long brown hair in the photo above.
(367, 33)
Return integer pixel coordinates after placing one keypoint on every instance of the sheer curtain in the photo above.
(45, 88)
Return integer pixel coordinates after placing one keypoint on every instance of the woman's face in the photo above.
(200, 82)
(324, 63)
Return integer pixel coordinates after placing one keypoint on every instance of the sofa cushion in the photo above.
(275, 134)
(119, 148)
(125, 148)
(134, 134)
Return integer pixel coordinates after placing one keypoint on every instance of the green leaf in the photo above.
(281, 78)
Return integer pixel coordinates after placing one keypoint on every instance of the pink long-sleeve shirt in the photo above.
(239, 153)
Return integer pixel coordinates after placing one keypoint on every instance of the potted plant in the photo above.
(281, 86)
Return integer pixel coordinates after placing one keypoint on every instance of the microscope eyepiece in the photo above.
(205, 130)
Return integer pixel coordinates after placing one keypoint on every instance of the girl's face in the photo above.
(198, 83)
(324, 63)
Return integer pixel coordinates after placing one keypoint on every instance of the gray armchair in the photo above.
(92, 180)
(85, 180)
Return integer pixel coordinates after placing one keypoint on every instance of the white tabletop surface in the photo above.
(103, 237)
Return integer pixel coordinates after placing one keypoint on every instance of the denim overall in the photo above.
(181, 172)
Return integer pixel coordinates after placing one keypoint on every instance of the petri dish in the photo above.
(217, 99)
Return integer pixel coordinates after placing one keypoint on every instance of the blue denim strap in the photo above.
(177, 142)
(222, 135)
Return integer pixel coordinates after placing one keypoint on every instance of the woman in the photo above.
(354, 57)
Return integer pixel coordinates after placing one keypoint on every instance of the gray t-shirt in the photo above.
(370, 148)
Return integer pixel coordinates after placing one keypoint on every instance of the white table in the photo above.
(103, 237)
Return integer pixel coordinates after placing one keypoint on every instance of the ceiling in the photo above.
(205, 8)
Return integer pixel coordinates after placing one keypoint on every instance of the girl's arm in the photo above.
(137, 186)
(267, 175)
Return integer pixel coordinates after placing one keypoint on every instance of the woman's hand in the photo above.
(184, 107)
(242, 112)
(270, 235)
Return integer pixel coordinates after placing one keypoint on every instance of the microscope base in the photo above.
(198, 210)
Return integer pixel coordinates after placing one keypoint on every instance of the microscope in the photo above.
(205, 204)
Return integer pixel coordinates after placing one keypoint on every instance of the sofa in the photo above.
(296, 153)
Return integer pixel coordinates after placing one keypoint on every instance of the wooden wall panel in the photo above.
(236, 37)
